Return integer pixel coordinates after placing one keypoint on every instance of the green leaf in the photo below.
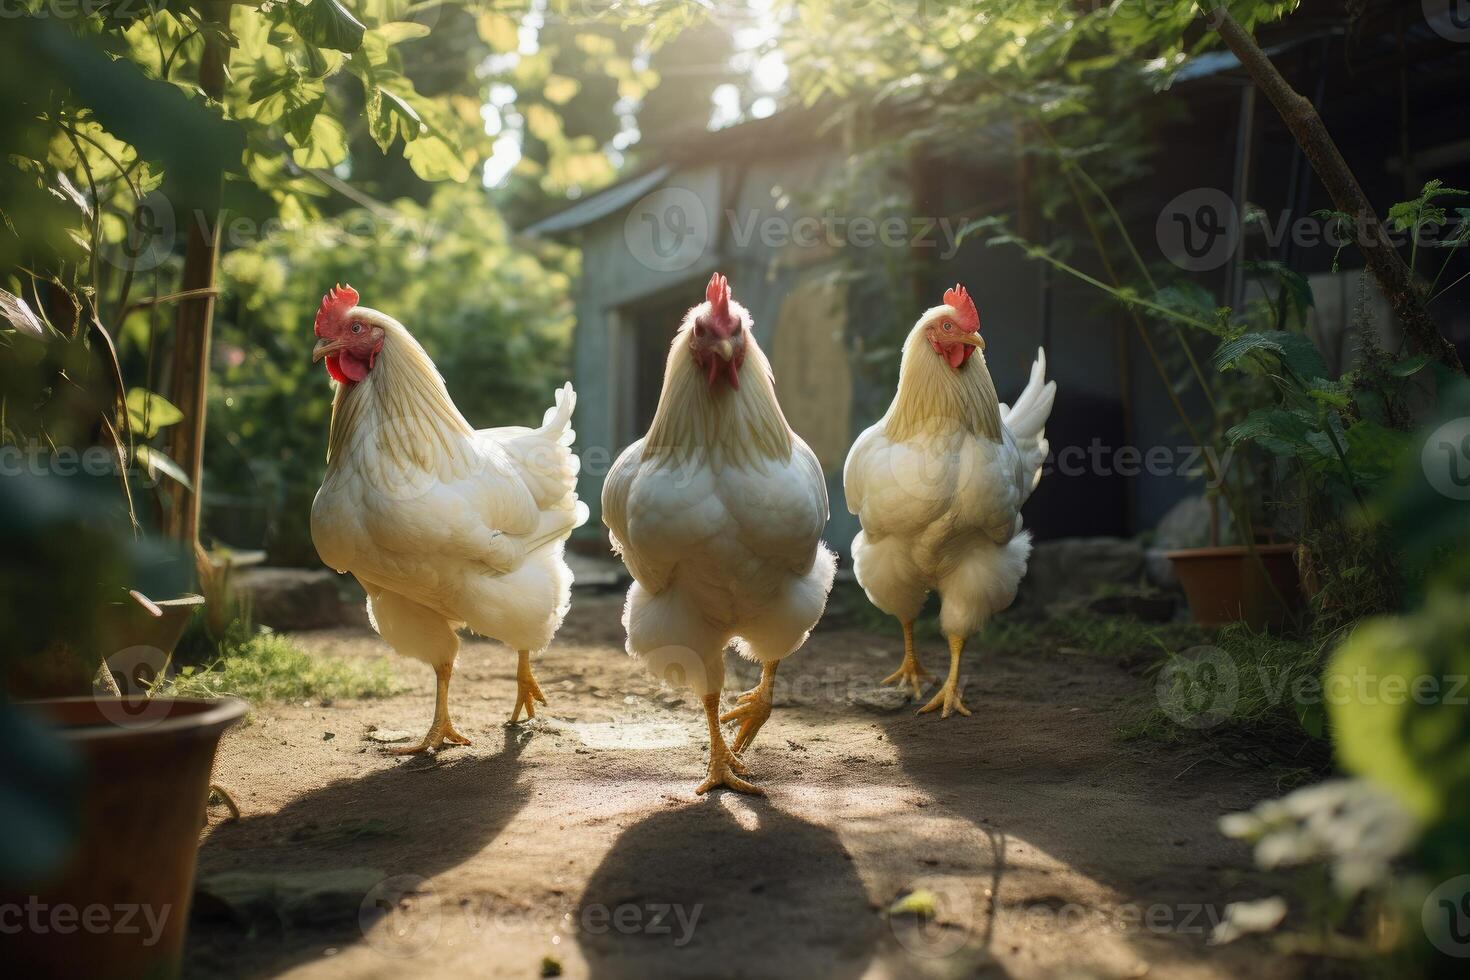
(326, 147)
(298, 118)
(1387, 725)
(1409, 366)
(1277, 430)
(432, 158)
(1373, 451)
(1298, 290)
(149, 412)
(389, 115)
(399, 31)
(1294, 350)
(327, 24)
(19, 315)
(156, 462)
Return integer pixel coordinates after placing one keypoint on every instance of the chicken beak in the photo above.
(972, 339)
(725, 349)
(324, 347)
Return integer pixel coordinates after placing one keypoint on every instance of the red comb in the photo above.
(335, 304)
(964, 308)
(718, 295)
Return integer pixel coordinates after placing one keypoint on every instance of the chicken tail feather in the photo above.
(1027, 418)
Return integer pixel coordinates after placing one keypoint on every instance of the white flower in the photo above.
(1247, 917)
(1357, 827)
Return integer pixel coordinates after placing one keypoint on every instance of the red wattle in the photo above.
(347, 367)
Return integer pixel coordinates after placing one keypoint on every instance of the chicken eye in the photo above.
(948, 325)
(699, 330)
(357, 328)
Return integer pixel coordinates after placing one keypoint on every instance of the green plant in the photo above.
(261, 666)
(1275, 704)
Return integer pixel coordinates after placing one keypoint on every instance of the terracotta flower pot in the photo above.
(1226, 585)
(136, 636)
(120, 906)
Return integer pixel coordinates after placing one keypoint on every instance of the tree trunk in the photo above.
(1388, 269)
(189, 371)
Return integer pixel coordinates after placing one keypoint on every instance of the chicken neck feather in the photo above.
(401, 409)
(930, 392)
(699, 423)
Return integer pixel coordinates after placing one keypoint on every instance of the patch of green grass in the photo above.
(263, 666)
(1125, 639)
(1263, 695)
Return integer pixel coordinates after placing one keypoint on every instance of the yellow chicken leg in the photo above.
(442, 730)
(528, 692)
(753, 708)
(909, 672)
(949, 694)
(725, 769)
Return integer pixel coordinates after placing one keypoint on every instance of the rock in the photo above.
(882, 700)
(270, 899)
(1159, 570)
(1074, 568)
(1187, 525)
(300, 598)
(1149, 607)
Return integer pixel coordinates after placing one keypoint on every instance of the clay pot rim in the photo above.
(1230, 551)
(218, 714)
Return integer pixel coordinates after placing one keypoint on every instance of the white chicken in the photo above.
(444, 526)
(718, 513)
(938, 484)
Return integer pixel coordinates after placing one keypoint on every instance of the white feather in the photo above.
(939, 496)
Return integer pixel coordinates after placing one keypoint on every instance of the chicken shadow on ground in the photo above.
(677, 895)
(276, 890)
(1035, 768)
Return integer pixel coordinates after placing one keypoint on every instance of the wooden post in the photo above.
(189, 369)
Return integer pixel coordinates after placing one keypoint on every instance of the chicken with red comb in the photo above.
(444, 526)
(938, 484)
(718, 513)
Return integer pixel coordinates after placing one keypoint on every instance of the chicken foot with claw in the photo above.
(528, 692)
(909, 672)
(752, 708)
(949, 695)
(442, 730)
(725, 768)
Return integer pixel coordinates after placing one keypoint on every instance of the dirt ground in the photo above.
(1049, 847)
